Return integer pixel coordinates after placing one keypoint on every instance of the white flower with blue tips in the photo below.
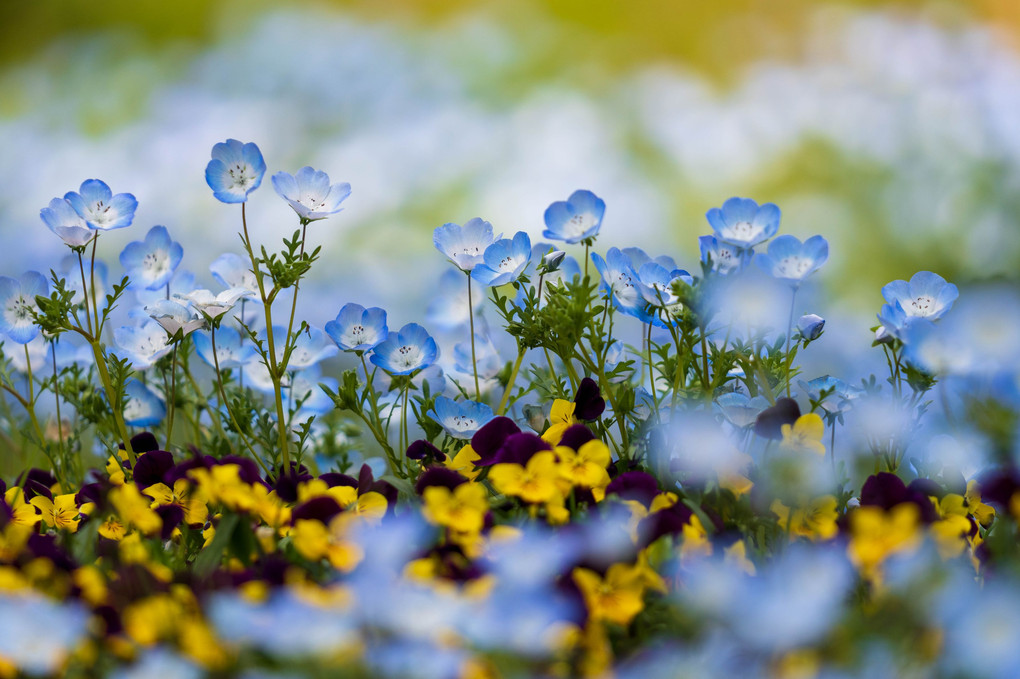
(792, 261)
(465, 245)
(742, 223)
(236, 169)
(101, 210)
(460, 419)
(357, 328)
(409, 350)
(62, 220)
(310, 193)
(576, 219)
(142, 407)
(151, 263)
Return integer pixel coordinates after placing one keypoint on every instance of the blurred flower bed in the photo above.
(200, 483)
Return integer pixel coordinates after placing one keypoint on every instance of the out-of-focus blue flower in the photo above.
(142, 407)
(576, 219)
(981, 627)
(793, 602)
(810, 326)
(411, 349)
(62, 220)
(465, 245)
(152, 262)
(460, 419)
(37, 634)
(414, 658)
(504, 261)
(310, 193)
(231, 351)
(740, 409)
(71, 273)
(174, 317)
(741, 222)
(486, 357)
(840, 397)
(142, 344)
(181, 286)
(792, 261)
(310, 347)
(725, 257)
(101, 210)
(927, 295)
(448, 306)
(234, 271)
(283, 625)
(305, 388)
(162, 663)
(357, 328)
(17, 304)
(621, 283)
(236, 169)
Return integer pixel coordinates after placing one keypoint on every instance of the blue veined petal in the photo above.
(768, 217)
(739, 210)
(95, 190)
(285, 185)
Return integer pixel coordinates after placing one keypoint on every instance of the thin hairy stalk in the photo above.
(84, 292)
(471, 321)
(56, 398)
(510, 382)
(171, 397)
(274, 370)
(293, 302)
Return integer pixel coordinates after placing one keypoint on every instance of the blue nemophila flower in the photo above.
(504, 261)
(151, 263)
(839, 397)
(142, 407)
(725, 258)
(101, 210)
(174, 317)
(234, 271)
(310, 193)
(464, 245)
(460, 419)
(181, 285)
(357, 328)
(621, 283)
(448, 308)
(576, 219)
(486, 357)
(927, 295)
(17, 304)
(810, 326)
(310, 347)
(741, 222)
(304, 387)
(740, 409)
(236, 169)
(657, 278)
(142, 344)
(792, 261)
(62, 220)
(408, 350)
(231, 350)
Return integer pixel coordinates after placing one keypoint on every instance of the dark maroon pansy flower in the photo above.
(576, 436)
(46, 547)
(367, 483)
(333, 479)
(770, 421)
(438, 476)
(639, 486)
(172, 516)
(887, 490)
(144, 442)
(488, 440)
(669, 521)
(518, 448)
(999, 485)
(286, 484)
(589, 404)
(151, 467)
(37, 482)
(322, 509)
(421, 449)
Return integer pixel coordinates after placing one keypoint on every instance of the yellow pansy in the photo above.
(876, 533)
(462, 509)
(561, 418)
(60, 512)
(587, 466)
(805, 435)
(534, 482)
(617, 597)
(464, 462)
(814, 521)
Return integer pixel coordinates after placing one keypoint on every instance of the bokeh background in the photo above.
(891, 128)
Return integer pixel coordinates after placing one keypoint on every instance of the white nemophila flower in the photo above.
(174, 317)
(231, 350)
(212, 305)
(465, 245)
(236, 169)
